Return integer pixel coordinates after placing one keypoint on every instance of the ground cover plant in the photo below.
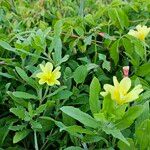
(74, 74)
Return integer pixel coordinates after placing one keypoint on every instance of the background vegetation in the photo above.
(87, 38)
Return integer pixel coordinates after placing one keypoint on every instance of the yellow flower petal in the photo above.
(115, 81)
(39, 75)
(141, 32)
(125, 85)
(41, 81)
(119, 92)
(104, 93)
(134, 94)
(48, 66)
(48, 76)
(42, 67)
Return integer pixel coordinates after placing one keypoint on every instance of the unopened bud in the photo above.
(126, 71)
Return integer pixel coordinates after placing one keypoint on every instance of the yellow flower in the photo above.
(119, 92)
(141, 32)
(47, 75)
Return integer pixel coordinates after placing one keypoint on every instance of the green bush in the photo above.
(57, 63)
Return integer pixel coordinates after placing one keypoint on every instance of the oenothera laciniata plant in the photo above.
(30, 106)
(110, 116)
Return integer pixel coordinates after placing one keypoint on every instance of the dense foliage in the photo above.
(43, 106)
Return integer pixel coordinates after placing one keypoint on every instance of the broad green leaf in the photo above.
(106, 64)
(41, 109)
(24, 95)
(108, 105)
(35, 125)
(5, 45)
(77, 129)
(82, 117)
(144, 115)
(64, 94)
(19, 112)
(20, 135)
(94, 139)
(58, 28)
(129, 47)
(143, 70)
(24, 76)
(114, 132)
(114, 51)
(73, 148)
(57, 91)
(80, 74)
(124, 146)
(3, 133)
(94, 95)
(143, 136)
(129, 117)
(17, 127)
(18, 101)
(7, 75)
(57, 49)
(79, 30)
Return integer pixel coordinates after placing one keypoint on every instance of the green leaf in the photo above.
(35, 125)
(124, 146)
(19, 112)
(20, 135)
(114, 51)
(143, 70)
(145, 114)
(40, 109)
(24, 76)
(109, 129)
(106, 64)
(7, 75)
(93, 139)
(82, 117)
(57, 49)
(129, 47)
(80, 74)
(77, 129)
(73, 148)
(108, 105)
(17, 127)
(58, 28)
(94, 95)
(24, 95)
(5, 45)
(3, 134)
(142, 135)
(64, 94)
(79, 30)
(129, 117)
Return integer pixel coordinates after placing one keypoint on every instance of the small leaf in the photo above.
(115, 133)
(124, 146)
(142, 135)
(20, 135)
(73, 148)
(24, 76)
(143, 70)
(19, 112)
(114, 51)
(82, 117)
(94, 95)
(129, 117)
(80, 74)
(24, 95)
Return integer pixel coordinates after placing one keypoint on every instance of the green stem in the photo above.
(44, 96)
(35, 141)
